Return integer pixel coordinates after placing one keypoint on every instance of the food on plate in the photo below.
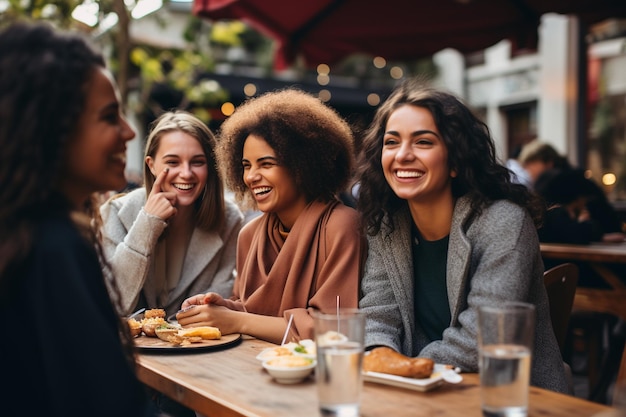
(205, 332)
(290, 361)
(274, 352)
(149, 325)
(331, 338)
(177, 340)
(154, 313)
(178, 336)
(135, 327)
(305, 348)
(166, 330)
(388, 361)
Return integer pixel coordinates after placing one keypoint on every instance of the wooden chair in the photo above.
(560, 283)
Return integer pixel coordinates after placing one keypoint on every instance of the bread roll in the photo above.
(388, 361)
(205, 332)
(154, 313)
(134, 326)
(149, 325)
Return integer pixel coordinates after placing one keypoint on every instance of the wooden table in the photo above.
(597, 255)
(232, 383)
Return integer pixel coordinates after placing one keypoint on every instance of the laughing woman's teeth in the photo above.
(409, 174)
(183, 186)
(262, 190)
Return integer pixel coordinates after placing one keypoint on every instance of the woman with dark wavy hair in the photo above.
(63, 137)
(447, 233)
(288, 155)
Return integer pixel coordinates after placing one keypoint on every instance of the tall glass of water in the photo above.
(505, 341)
(339, 338)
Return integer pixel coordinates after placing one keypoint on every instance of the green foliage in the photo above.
(58, 12)
(182, 71)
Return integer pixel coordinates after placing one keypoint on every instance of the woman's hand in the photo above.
(161, 203)
(201, 299)
(228, 321)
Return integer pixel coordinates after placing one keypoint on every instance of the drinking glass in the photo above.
(339, 339)
(505, 341)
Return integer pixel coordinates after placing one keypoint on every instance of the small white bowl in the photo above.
(289, 369)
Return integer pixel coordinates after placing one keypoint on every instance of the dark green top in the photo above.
(432, 310)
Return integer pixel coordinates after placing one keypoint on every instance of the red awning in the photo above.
(326, 31)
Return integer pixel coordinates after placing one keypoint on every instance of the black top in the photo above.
(559, 227)
(61, 348)
(432, 310)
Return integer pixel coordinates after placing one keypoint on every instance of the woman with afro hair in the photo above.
(288, 155)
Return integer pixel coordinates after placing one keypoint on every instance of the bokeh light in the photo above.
(396, 73)
(609, 178)
(249, 89)
(323, 69)
(324, 95)
(373, 99)
(228, 108)
(380, 62)
(323, 79)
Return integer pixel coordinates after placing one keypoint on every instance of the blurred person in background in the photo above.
(567, 219)
(63, 137)
(288, 155)
(518, 174)
(536, 157)
(545, 165)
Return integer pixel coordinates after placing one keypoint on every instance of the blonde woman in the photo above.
(177, 235)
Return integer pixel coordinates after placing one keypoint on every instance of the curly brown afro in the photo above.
(310, 139)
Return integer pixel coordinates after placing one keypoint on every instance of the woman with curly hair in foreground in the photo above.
(289, 155)
(63, 137)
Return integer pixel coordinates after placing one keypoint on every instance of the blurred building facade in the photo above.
(570, 92)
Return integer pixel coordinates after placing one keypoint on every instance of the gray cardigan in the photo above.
(492, 258)
(130, 237)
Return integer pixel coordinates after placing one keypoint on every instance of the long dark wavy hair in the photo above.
(44, 78)
(471, 153)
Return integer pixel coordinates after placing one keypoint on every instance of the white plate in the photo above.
(424, 384)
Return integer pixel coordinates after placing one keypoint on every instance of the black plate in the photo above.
(147, 344)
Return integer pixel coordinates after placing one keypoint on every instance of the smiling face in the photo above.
(272, 185)
(96, 157)
(187, 163)
(415, 158)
